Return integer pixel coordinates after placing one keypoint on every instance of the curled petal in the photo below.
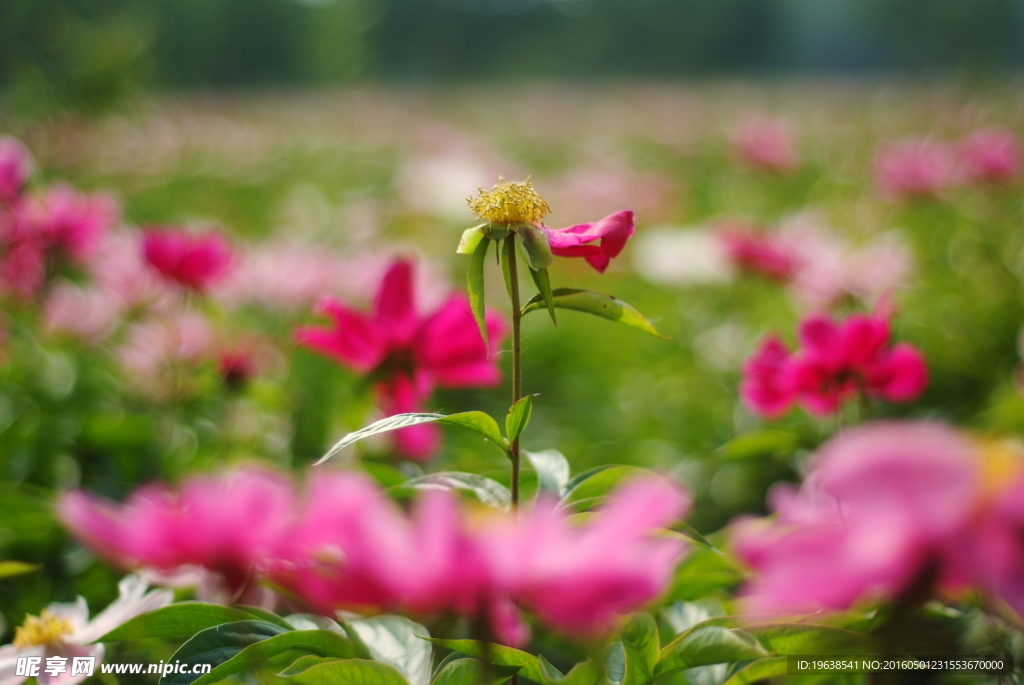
(577, 241)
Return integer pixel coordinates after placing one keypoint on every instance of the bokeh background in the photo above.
(353, 130)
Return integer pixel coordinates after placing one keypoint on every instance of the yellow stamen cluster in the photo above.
(510, 202)
(46, 628)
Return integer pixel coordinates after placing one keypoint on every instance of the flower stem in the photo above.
(517, 353)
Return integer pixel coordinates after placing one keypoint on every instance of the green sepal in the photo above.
(496, 232)
(537, 248)
(475, 288)
(471, 238)
(543, 283)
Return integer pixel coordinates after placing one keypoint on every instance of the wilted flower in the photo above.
(194, 261)
(991, 156)
(64, 630)
(406, 354)
(766, 144)
(836, 361)
(885, 506)
(15, 168)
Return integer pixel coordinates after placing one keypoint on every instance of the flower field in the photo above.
(761, 396)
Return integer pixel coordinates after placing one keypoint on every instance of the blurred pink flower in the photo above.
(409, 354)
(758, 251)
(194, 261)
(90, 314)
(118, 267)
(158, 351)
(22, 269)
(578, 241)
(15, 168)
(68, 221)
(601, 186)
(237, 367)
(914, 168)
(991, 156)
(766, 144)
(233, 524)
(836, 362)
(885, 507)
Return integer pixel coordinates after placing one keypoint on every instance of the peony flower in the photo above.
(836, 361)
(231, 525)
(516, 206)
(408, 355)
(156, 351)
(89, 314)
(884, 507)
(73, 223)
(914, 168)
(991, 156)
(194, 261)
(15, 168)
(767, 145)
(759, 252)
(63, 630)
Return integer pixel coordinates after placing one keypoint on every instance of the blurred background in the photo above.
(344, 133)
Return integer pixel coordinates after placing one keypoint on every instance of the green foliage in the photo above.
(604, 306)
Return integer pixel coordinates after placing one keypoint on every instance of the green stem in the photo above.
(517, 353)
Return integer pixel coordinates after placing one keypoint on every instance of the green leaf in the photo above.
(552, 470)
(312, 670)
(537, 669)
(537, 248)
(641, 648)
(16, 568)
(708, 645)
(598, 304)
(217, 645)
(182, 619)
(319, 642)
(489, 492)
(543, 282)
(473, 672)
(474, 420)
(264, 615)
(701, 573)
(471, 239)
(808, 638)
(397, 642)
(505, 274)
(765, 442)
(475, 287)
(518, 416)
(693, 534)
(592, 487)
(760, 670)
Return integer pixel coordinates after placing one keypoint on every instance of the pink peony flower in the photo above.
(22, 269)
(914, 168)
(836, 361)
(231, 524)
(758, 252)
(991, 156)
(157, 352)
(15, 168)
(767, 145)
(410, 354)
(194, 261)
(884, 507)
(68, 221)
(90, 314)
(582, 240)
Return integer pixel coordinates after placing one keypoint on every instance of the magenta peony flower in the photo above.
(759, 252)
(884, 507)
(73, 223)
(232, 524)
(408, 354)
(836, 361)
(194, 261)
(15, 168)
(767, 145)
(612, 232)
(914, 168)
(991, 156)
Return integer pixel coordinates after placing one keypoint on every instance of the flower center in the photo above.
(510, 202)
(46, 628)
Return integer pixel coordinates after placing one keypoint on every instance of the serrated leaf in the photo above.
(471, 239)
(217, 645)
(473, 420)
(398, 642)
(543, 282)
(760, 670)
(16, 568)
(182, 619)
(552, 470)
(641, 648)
(598, 304)
(537, 248)
(708, 645)
(488, 491)
(518, 417)
(592, 487)
(475, 287)
(534, 668)
(312, 670)
(473, 672)
(321, 643)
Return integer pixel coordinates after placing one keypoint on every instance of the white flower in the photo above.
(64, 630)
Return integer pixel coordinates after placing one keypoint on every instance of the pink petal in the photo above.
(449, 346)
(400, 396)
(901, 376)
(355, 340)
(395, 306)
(613, 231)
